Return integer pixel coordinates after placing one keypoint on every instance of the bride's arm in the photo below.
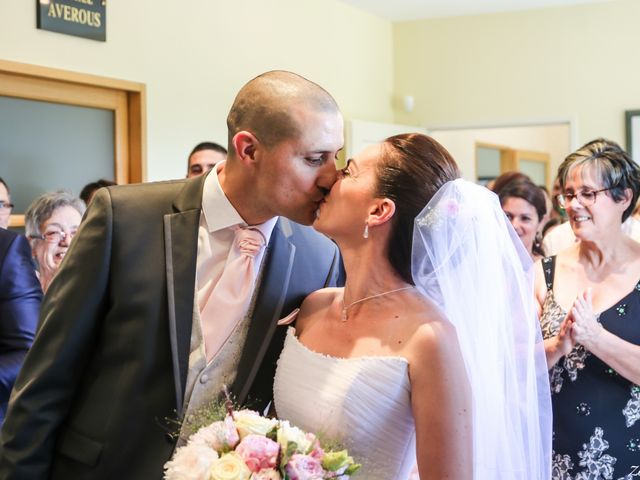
(441, 403)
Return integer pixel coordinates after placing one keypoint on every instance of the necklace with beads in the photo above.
(347, 307)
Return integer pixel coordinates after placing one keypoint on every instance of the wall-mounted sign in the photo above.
(82, 18)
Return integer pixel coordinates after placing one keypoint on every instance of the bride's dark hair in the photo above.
(413, 168)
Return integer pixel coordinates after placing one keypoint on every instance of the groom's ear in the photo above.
(244, 144)
(381, 212)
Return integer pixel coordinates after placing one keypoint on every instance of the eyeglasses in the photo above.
(586, 198)
(5, 205)
(54, 236)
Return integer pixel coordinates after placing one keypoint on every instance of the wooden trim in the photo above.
(126, 99)
(493, 146)
(121, 140)
(37, 71)
(541, 157)
(510, 159)
(16, 220)
(46, 90)
(628, 118)
(507, 160)
(137, 102)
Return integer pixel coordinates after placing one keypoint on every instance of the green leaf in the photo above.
(273, 434)
(292, 447)
(351, 469)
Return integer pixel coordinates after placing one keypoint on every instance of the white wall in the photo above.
(577, 62)
(195, 55)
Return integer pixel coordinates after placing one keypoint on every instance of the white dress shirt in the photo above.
(216, 235)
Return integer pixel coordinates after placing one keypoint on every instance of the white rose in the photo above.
(229, 467)
(288, 433)
(249, 422)
(192, 462)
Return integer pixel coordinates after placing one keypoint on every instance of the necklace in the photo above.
(347, 307)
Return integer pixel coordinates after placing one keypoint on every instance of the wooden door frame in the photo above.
(126, 99)
(510, 159)
(506, 155)
(540, 157)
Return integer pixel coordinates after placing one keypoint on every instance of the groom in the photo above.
(130, 338)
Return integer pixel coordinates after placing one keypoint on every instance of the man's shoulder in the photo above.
(183, 194)
(9, 239)
(146, 191)
(7, 236)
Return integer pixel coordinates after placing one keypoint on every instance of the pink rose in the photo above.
(316, 449)
(304, 467)
(258, 452)
(220, 436)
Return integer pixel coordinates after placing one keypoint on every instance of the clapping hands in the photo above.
(585, 328)
(579, 326)
(564, 342)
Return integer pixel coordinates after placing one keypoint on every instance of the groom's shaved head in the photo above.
(265, 105)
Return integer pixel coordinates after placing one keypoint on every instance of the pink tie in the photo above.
(229, 299)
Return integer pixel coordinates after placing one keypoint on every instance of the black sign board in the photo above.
(82, 18)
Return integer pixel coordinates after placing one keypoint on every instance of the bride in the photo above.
(431, 352)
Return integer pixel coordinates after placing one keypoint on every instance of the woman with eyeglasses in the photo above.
(51, 221)
(589, 304)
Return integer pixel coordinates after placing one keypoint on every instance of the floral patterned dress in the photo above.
(596, 424)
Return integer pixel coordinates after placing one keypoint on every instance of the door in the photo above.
(45, 114)
(493, 160)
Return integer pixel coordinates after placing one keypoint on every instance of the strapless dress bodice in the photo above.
(364, 403)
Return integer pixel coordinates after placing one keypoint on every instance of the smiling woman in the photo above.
(589, 300)
(51, 222)
(525, 206)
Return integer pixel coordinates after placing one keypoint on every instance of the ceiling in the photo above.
(401, 10)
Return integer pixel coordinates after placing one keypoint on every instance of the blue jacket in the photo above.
(20, 297)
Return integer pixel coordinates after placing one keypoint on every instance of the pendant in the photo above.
(343, 317)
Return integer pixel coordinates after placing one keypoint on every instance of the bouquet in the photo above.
(247, 446)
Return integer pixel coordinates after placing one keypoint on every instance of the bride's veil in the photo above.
(468, 259)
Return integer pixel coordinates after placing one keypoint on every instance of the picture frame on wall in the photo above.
(632, 130)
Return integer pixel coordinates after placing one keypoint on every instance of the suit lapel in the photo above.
(268, 309)
(181, 248)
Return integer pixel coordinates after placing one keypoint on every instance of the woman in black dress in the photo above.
(589, 299)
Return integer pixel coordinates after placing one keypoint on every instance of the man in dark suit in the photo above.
(20, 297)
(119, 352)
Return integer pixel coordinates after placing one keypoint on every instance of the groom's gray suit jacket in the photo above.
(100, 388)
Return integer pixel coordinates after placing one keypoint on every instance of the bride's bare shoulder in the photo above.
(320, 298)
(316, 304)
(430, 325)
(432, 344)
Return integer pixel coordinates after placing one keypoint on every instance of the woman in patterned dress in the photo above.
(589, 300)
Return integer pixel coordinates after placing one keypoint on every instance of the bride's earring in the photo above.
(366, 230)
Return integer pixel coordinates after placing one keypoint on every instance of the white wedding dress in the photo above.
(364, 403)
(462, 244)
